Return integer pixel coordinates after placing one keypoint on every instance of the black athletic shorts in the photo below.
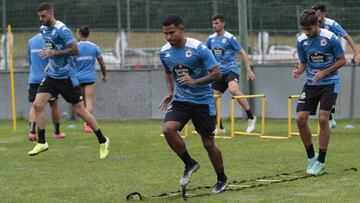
(222, 84)
(199, 114)
(64, 87)
(33, 88)
(86, 83)
(311, 96)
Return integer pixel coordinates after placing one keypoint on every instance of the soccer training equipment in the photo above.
(104, 149)
(185, 179)
(38, 149)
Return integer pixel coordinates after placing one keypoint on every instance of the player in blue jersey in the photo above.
(333, 26)
(190, 68)
(321, 55)
(37, 74)
(85, 66)
(61, 78)
(225, 47)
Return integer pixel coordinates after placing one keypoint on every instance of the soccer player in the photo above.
(85, 66)
(225, 47)
(190, 67)
(61, 78)
(333, 26)
(321, 55)
(37, 73)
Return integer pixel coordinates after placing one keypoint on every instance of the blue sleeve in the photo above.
(207, 57)
(97, 51)
(163, 62)
(336, 47)
(300, 52)
(235, 44)
(207, 43)
(28, 54)
(66, 35)
(337, 29)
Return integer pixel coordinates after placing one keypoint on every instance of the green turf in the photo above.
(140, 160)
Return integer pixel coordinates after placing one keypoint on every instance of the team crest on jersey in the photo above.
(223, 40)
(323, 42)
(212, 40)
(306, 43)
(188, 53)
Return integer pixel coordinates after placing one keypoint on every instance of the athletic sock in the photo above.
(330, 116)
(57, 128)
(32, 127)
(221, 175)
(188, 161)
(41, 136)
(310, 151)
(101, 138)
(249, 114)
(221, 125)
(322, 155)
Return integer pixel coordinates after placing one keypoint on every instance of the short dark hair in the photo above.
(44, 7)
(84, 31)
(172, 19)
(219, 16)
(319, 6)
(308, 18)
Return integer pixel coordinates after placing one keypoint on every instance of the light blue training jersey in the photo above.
(225, 49)
(37, 63)
(58, 38)
(333, 26)
(320, 52)
(85, 62)
(195, 59)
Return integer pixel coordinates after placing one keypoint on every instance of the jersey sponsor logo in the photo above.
(317, 58)
(83, 58)
(323, 42)
(35, 50)
(49, 44)
(188, 53)
(181, 70)
(218, 51)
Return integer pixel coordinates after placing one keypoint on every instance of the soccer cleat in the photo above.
(87, 128)
(218, 131)
(311, 162)
(220, 186)
(104, 149)
(185, 179)
(316, 168)
(251, 125)
(332, 123)
(38, 149)
(32, 136)
(59, 135)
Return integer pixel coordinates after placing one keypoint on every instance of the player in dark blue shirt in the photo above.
(335, 27)
(37, 74)
(85, 66)
(321, 55)
(190, 67)
(61, 78)
(225, 47)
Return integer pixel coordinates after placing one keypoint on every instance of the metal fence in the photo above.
(135, 25)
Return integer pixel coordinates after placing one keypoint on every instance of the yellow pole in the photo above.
(232, 116)
(13, 106)
(289, 117)
(263, 115)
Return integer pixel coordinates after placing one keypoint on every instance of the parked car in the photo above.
(110, 57)
(282, 49)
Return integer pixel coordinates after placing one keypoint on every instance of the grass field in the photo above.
(140, 160)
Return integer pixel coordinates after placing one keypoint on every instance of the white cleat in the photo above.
(251, 125)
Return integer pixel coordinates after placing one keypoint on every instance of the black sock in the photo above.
(41, 136)
(221, 125)
(32, 127)
(249, 114)
(310, 151)
(57, 128)
(330, 116)
(221, 175)
(100, 136)
(188, 161)
(322, 155)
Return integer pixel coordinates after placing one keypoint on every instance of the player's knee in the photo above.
(169, 130)
(324, 119)
(38, 106)
(208, 145)
(301, 119)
